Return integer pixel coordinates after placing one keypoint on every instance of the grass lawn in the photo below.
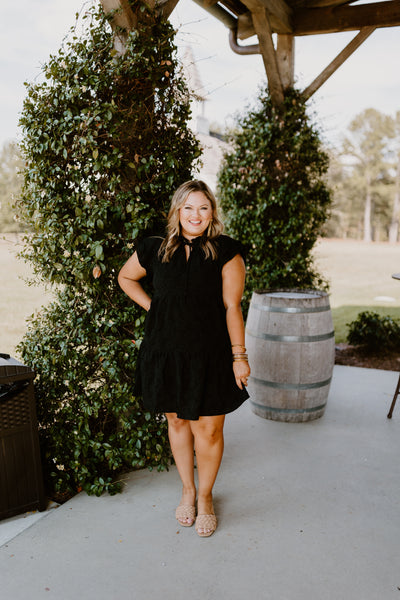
(360, 277)
(18, 300)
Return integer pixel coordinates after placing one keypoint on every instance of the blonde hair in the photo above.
(215, 228)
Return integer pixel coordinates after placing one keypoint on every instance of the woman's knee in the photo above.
(175, 423)
(210, 429)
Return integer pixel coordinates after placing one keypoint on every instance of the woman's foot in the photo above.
(185, 515)
(186, 511)
(206, 522)
(206, 525)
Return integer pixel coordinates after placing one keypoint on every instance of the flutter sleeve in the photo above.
(147, 252)
(228, 248)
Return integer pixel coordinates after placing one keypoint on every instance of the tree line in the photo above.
(364, 176)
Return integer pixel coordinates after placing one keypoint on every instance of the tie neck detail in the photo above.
(191, 243)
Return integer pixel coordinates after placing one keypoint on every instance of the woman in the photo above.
(192, 362)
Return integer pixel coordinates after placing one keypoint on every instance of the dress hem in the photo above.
(180, 415)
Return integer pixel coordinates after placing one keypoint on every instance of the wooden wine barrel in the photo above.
(291, 347)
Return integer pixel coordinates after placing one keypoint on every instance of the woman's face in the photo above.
(195, 215)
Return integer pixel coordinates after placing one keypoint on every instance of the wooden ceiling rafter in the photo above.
(332, 19)
(314, 21)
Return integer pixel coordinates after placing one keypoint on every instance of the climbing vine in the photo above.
(105, 143)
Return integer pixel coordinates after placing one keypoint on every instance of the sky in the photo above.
(31, 30)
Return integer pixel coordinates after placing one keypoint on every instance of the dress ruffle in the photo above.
(191, 385)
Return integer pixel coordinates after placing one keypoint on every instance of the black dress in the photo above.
(185, 359)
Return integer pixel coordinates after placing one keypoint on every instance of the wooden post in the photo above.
(264, 34)
(285, 57)
(123, 21)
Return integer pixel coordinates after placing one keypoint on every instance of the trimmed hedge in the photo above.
(273, 192)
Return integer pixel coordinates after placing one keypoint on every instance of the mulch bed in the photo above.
(354, 356)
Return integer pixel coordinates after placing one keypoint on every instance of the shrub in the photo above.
(105, 143)
(272, 190)
(374, 332)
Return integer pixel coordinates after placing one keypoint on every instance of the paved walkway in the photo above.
(306, 511)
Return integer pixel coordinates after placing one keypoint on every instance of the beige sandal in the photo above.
(206, 522)
(185, 511)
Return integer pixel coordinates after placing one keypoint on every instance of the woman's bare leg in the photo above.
(182, 445)
(209, 445)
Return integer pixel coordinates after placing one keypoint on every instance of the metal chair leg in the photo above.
(397, 392)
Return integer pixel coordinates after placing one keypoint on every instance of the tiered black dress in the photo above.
(185, 359)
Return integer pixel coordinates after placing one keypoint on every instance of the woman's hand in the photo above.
(241, 370)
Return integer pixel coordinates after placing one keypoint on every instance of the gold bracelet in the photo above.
(238, 346)
(240, 360)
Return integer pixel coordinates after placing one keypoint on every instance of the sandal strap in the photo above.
(206, 522)
(185, 511)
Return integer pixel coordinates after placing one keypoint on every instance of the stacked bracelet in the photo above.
(239, 346)
(240, 356)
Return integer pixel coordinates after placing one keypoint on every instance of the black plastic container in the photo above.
(21, 480)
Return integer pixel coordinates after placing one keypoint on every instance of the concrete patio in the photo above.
(306, 511)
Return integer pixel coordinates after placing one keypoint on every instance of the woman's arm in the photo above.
(129, 277)
(233, 276)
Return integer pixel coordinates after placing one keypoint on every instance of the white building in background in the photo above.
(213, 148)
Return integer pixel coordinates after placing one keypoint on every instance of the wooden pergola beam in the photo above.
(311, 21)
(275, 16)
(280, 12)
(346, 18)
(245, 27)
(338, 61)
